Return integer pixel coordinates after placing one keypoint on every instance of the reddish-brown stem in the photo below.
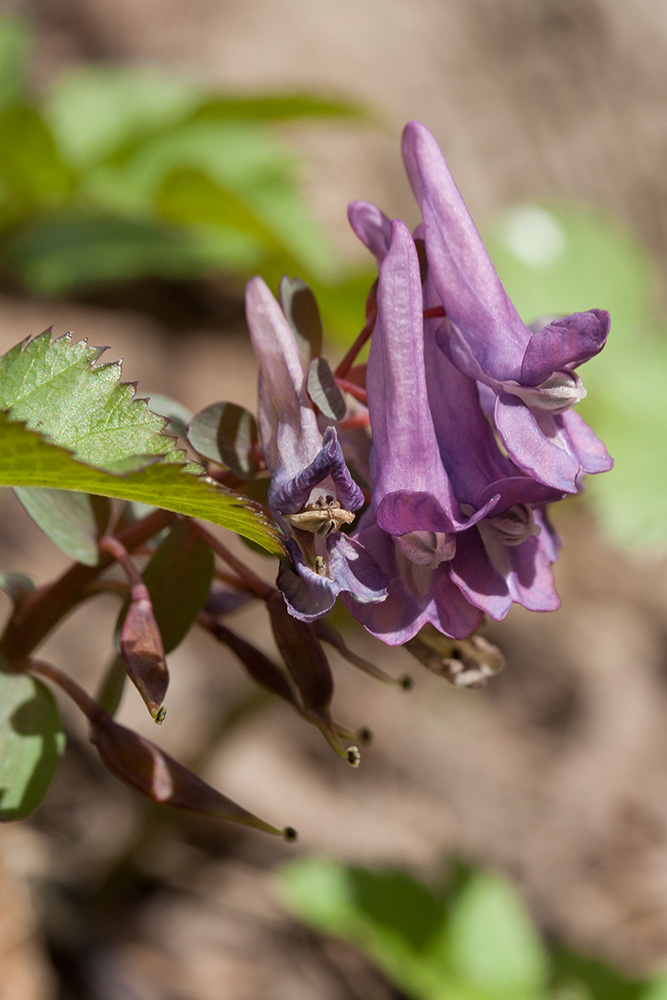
(252, 582)
(434, 312)
(353, 389)
(48, 605)
(90, 708)
(347, 362)
(138, 589)
(360, 419)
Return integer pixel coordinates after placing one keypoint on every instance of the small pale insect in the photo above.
(322, 517)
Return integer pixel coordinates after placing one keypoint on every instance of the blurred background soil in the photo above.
(557, 772)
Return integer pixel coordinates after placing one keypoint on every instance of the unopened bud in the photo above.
(143, 653)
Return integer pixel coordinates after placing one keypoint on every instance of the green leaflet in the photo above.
(31, 742)
(70, 426)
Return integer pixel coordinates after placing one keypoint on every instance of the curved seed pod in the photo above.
(329, 635)
(309, 668)
(151, 772)
(262, 669)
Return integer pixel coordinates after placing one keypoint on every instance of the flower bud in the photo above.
(143, 653)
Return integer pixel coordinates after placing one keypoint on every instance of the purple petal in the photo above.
(470, 290)
(565, 342)
(480, 582)
(405, 458)
(536, 444)
(530, 579)
(591, 452)
(371, 226)
(352, 572)
(329, 463)
(430, 599)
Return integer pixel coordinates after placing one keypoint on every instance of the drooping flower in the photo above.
(531, 373)
(312, 494)
(452, 521)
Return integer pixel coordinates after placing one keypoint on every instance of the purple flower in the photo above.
(312, 494)
(531, 373)
(452, 521)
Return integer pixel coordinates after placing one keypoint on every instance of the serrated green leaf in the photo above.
(52, 386)
(31, 742)
(178, 578)
(66, 518)
(227, 433)
(27, 459)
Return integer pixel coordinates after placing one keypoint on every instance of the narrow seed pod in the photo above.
(143, 766)
(309, 668)
(327, 634)
(262, 669)
(143, 653)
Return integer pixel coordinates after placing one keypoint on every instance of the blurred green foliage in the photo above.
(559, 259)
(469, 938)
(119, 173)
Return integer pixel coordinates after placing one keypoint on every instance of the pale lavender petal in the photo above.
(530, 579)
(287, 422)
(536, 443)
(371, 226)
(591, 452)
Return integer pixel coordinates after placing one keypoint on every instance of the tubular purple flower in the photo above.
(312, 493)
(452, 521)
(531, 373)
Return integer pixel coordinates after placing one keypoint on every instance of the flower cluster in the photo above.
(472, 432)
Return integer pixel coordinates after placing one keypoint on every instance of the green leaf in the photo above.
(278, 107)
(491, 943)
(31, 741)
(90, 417)
(178, 578)
(300, 308)
(14, 45)
(388, 915)
(31, 166)
(227, 433)
(58, 253)
(95, 109)
(27, 459)
(323, 390)
(68, 519)
(16, 586)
